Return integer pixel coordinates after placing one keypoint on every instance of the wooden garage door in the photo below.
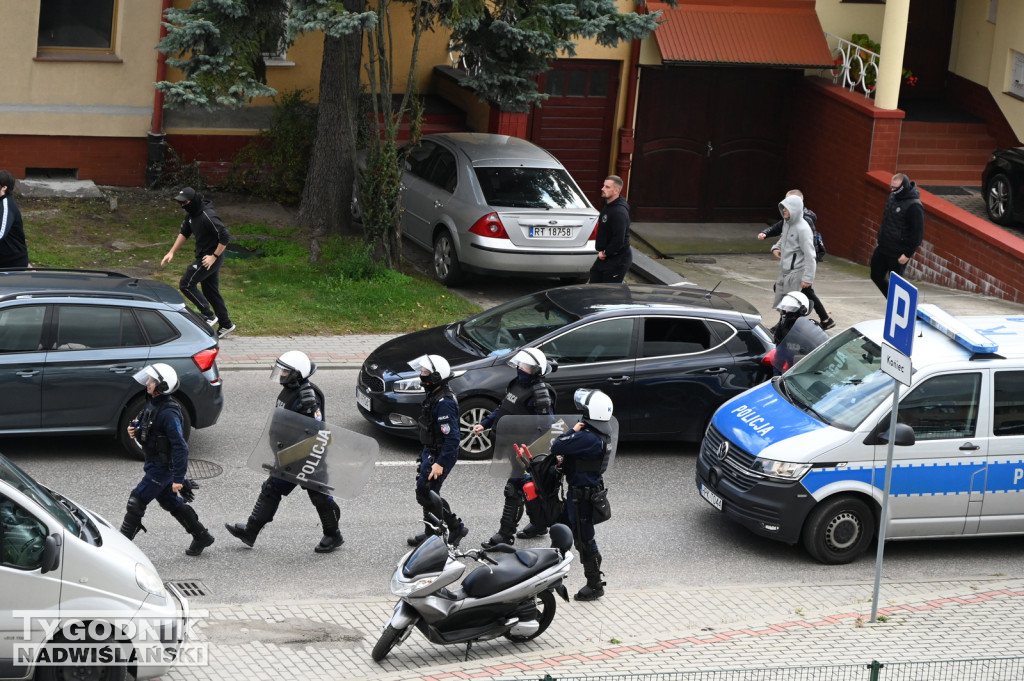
(575, 122)
(710, 144)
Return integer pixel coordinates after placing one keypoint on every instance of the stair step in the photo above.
(933, 156)
(925, 141)
(944, 175)
(911, 127)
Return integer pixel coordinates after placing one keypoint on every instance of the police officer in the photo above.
(439, 434)
(292, 370)
(585, 453)
(527, 393)
(159, 431)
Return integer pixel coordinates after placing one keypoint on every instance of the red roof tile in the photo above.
(776, 32)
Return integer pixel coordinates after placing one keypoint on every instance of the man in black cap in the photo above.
(901, 231)
(211, 237)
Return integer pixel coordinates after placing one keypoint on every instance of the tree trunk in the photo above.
(327, 195)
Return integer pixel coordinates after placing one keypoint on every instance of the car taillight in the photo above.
(769, 359)
(205, 359)
(489, 226)
(593, 235)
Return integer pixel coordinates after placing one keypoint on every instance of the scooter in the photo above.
(511, 595)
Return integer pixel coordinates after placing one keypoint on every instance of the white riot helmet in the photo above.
(437, 369)
(292, 367)
(532, 358)
(595, 405)
(794, 301)
(166, 378)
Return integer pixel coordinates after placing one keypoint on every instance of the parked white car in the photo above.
(72, 582)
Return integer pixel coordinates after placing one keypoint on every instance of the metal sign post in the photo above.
(900, 314)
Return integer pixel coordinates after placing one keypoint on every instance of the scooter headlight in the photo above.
(402, 588)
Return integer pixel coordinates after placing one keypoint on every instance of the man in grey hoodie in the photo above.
(794, 249)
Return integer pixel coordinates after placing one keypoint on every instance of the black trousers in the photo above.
(881, 265)
(197, 276)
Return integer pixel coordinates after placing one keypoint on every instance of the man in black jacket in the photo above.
(212, 239)
(614, 255)
(901, 231)
(13, 251)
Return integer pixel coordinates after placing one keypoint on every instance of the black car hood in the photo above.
(1015, 154)
(394, 355)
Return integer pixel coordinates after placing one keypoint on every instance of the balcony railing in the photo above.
(856, 68)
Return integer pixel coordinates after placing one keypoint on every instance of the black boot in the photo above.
(201, 537)
(594, 588)
(262, 513)
(428, 530)
(531, 530)
(456, 528)
(329, 514)
(511, 512)
(132, 522)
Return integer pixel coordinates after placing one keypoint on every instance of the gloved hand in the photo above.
(307, 397)
(188, 490)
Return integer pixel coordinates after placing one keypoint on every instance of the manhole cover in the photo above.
(191, 588)
(199, 469)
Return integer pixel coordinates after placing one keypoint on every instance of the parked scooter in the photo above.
(511, 595)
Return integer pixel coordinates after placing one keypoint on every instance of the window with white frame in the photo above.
(77, 25)
(1017, 77)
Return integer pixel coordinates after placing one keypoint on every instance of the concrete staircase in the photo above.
(944, 154)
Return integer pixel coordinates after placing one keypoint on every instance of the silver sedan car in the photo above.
(494, 204)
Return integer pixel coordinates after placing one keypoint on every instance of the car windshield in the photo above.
(842, 381)
(546, 188)
(514, 324)
(21, 481)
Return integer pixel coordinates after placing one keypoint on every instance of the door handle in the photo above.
(709, 148)
(121, 369)
(968, 447)
(716, 370)
(27, 373)
(616, 380)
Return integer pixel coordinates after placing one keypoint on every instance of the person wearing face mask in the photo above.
(901, 231)
(527, 393)
(439, 433)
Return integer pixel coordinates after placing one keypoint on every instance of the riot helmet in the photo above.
(165, 377)
(595, 405)
(532, 360)
(292, 367)
(796, 303)
(434, 371)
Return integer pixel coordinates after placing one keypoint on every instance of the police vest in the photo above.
(155, 446)
(288, 398)
(430, 433)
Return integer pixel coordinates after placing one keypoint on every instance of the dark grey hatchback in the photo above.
(71, 340)
(667, 356)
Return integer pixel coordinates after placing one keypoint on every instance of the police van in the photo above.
(802, 458)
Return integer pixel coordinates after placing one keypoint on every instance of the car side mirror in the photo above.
(51, 554)
(904, 434)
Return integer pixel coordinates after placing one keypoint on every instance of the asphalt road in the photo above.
(662, 535)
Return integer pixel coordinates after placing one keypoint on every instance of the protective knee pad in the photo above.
(135, 506)
(132, 522)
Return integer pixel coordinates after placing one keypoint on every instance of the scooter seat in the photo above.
(511, 569)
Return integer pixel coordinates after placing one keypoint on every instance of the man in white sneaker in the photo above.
(211, 239)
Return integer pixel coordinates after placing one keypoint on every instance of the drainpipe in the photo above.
(156, 146)
(626, 138)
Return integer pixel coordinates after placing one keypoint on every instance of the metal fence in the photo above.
(980, 669)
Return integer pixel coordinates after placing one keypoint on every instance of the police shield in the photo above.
(314, 454)
(537, 433)
(802, 338)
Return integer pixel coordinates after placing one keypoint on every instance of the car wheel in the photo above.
(132, 412)
(446, 261)
(838, 530)
(999, 200)
(475, 446)
(72, 672)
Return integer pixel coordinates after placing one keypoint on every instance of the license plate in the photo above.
(363, 399)
(710, 496)
(551, 232)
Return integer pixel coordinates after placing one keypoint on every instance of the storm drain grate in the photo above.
(198, 469)
(192, 588)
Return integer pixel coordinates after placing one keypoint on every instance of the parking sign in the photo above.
(900, 313)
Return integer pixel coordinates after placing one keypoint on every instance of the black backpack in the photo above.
(819, 245)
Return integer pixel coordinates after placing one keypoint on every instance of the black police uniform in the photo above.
(439, 433)
(584, 458)
(166, 462)
(304, 398)
(526, 394)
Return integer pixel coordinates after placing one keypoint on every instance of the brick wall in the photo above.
(104, 160)
(842, 153)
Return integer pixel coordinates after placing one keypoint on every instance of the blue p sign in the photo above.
(900, 313)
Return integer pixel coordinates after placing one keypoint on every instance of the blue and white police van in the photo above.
(802, 458)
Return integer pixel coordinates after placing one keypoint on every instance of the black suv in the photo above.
(71, 340)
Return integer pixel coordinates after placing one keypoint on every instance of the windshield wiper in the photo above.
(474, 343)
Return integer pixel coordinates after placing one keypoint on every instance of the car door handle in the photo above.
(969, 447)
(121, 369)
(715, 370)
(616, 380)
(27, 373)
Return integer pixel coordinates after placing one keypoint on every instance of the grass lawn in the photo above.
(277, 293)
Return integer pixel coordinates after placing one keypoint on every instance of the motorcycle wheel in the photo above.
(547, 607)
(386, 642)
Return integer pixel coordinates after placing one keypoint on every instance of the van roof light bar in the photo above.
(947, 324)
